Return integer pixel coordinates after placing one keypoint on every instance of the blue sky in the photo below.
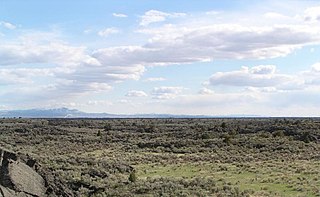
(146, 56)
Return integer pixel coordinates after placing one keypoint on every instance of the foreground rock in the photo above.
(23, 177)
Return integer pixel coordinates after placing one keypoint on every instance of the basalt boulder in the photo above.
(23, 176)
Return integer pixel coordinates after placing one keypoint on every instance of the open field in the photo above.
(174, 157)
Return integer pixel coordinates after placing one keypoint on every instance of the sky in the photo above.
(207, 57)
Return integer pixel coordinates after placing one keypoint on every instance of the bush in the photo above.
(132, 177)
(227, 139)
(205, 136)
(278, 133)
(107, 127)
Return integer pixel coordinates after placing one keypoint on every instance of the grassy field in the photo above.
(275, 178)
(174, 157)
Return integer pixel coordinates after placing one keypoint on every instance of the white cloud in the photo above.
(136, 93)
(257, 76)
(263, 89)
(98, 78)
(170, 45)
(312, 76)
(206, 91)
(175, 45)
(7, 25)
(73, 70)
(95, 86)
(295, 103)
(108, 31)
(124, 101)
(275, 16)
(213, 12)
(3, 107)
(312, 14)
(153, 79)
(316, 67)
(119, 15)
(43, 52)
(264, 69)
(225, 41)
(165, 92)
(8, 78)
(87, 31)
(200, 39)
(23, 76)
(43, 67)
(99, 103)
(153, 16)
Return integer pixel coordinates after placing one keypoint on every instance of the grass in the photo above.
(268, 177)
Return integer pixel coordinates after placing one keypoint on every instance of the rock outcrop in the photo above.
(21, 176)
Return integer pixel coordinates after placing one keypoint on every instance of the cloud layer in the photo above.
(42, 66)
(153, 16)
(108, 31)
(257, 76)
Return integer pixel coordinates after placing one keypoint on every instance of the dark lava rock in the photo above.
(23, 177)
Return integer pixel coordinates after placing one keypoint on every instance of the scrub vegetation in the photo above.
(174, 157)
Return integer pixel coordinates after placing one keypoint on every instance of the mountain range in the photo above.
(74, 113)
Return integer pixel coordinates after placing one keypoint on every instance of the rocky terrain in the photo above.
(241, 157)
(22, 176)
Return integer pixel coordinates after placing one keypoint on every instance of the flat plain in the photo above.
(174, 157)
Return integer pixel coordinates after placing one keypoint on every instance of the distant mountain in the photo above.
(42, 113)
(73, 113)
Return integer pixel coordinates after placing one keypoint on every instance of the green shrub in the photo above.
(107, 127)
(132, 177)
(278, 133)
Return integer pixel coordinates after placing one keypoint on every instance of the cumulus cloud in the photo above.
(213, 12)
(264, 69)
(166, 92)
(73, 71)
(113, 66)
(263, 89)
(316, 67)
(65, 90)
(43, 52)
(108, 31)
(175, 45)
(76, 70)
(136, 93)
(153, 79)
(119, 15)
(99, 87)
(225, 41)
(22, 76)
(153, 16)
(96, 78)
(99, 102)
(275, 16)
(7, 77)
(312, 14)
(293, 103)
(257, 76)
(87, 31)
(312, 76)
(7, 25)
(168, 45)
(205, 91)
